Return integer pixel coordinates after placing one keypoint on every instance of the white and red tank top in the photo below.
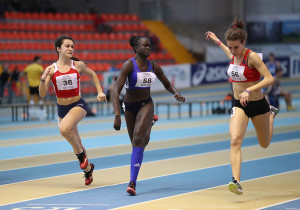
(67, 84)
(242, 73)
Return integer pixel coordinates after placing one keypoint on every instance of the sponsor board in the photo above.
(179, 75)
(295, 66)
(190, 75)
(204, 73)
(108, 79)
(284, 64)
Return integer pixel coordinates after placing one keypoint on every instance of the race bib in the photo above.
(145, 79)
(67, 82)
(236, 72)
(232, 111)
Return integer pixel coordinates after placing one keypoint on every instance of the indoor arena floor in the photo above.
(186, 164)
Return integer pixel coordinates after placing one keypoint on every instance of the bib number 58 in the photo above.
(147, 80)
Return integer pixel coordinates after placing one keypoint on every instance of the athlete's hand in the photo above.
(179, 97)
(211, 36)
(244, 98)
(46, 73)
(117, 123)
(101, 97)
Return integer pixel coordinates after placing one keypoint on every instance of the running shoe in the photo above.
(235, 187)
(155, 118)
(274, 110)
(290, 108)
(89, 175)
(83, 161)
(131, 188)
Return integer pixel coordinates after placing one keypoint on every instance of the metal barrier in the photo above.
(101, 108)
(205, 107)
(25, 110)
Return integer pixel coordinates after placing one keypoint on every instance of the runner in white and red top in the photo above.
(245, 70)
(71, 108)
(67, 84)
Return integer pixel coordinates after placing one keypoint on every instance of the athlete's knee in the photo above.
(137, 142)
(236, 140)
(264, 144)
(64, 130)
(140, 139)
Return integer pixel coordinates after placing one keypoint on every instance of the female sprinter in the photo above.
(139, 74)
(71, 108)
(245, 70)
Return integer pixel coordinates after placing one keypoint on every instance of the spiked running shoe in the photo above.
(155, 118)
(235, 187)
(83, 161)
(274, 110)
(131, 188)
(89, 175)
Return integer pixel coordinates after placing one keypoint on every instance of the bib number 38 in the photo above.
(67, 82)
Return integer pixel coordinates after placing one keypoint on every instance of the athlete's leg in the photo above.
(31, 100)
(141, 134)
(237, 128)
(263, 125)
(83, 160)
(288, 100)
(67, 128)
(88, 167)
(140, 138)
(130, 122)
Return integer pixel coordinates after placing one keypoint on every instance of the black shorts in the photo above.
(62, 110)
(34, 90)
(135, 107)
(254, 108)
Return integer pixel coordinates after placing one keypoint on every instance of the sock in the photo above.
(136, 162)
(81, 156)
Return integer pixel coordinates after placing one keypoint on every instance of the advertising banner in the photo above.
(204, 73)
(179, 75)
(295, 66)
(285, 66)
(108, 79)
(191, 75)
